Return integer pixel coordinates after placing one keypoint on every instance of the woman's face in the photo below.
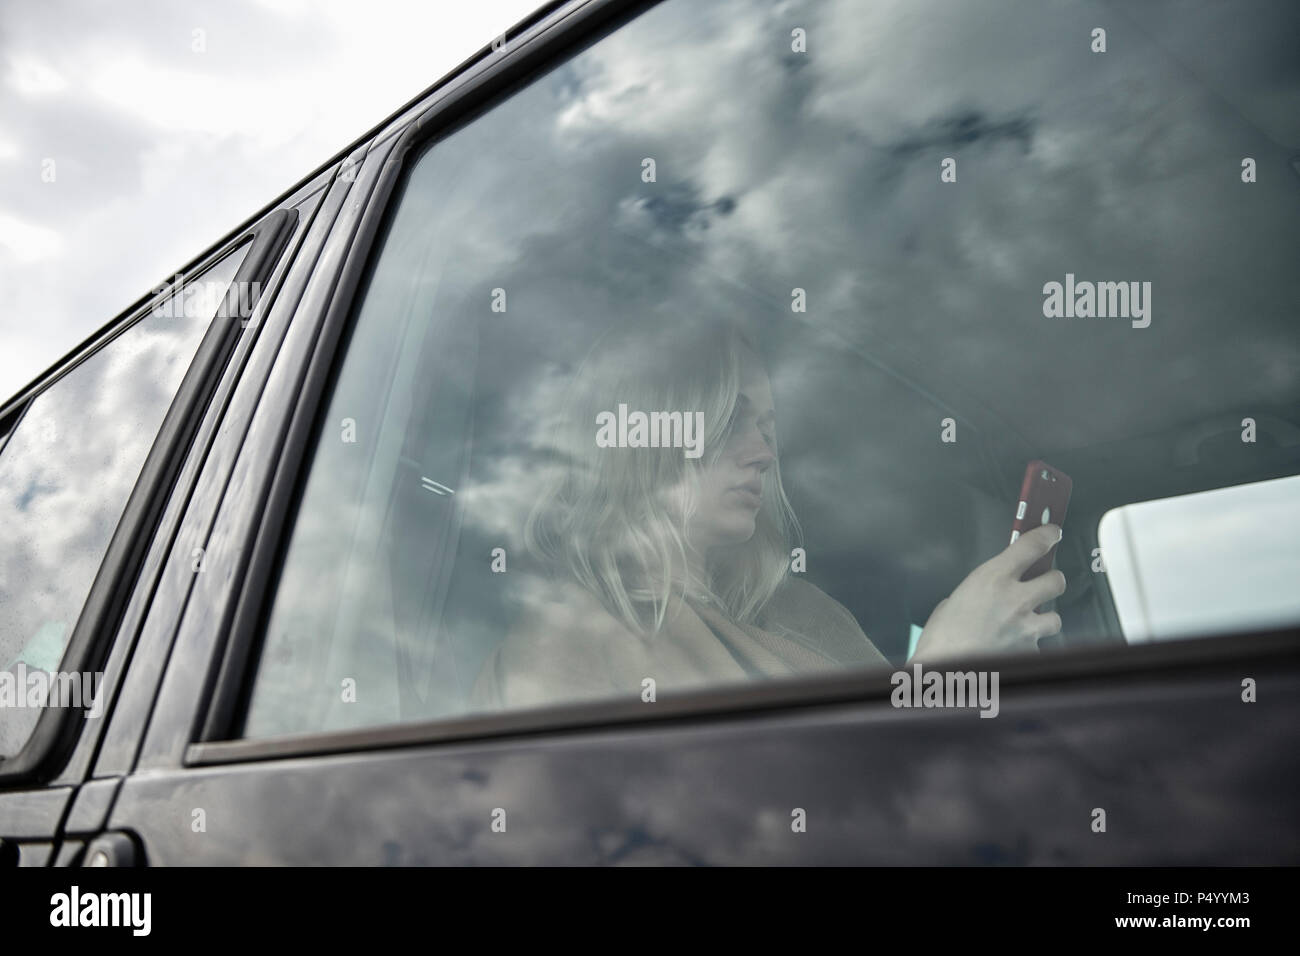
(731, 488)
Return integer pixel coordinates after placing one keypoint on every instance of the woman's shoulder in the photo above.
(563, 645)
(797, 595)
(559, 608)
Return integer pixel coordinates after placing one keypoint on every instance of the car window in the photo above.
(717, 354)
(66, 473)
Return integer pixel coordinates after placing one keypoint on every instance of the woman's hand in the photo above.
(992, 611)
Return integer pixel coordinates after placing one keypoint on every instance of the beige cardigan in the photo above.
(567, 647)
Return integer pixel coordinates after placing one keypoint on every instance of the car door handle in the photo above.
(113, 849)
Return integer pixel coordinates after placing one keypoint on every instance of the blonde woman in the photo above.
(667, 551)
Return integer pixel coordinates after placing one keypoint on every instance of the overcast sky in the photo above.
(163, 139)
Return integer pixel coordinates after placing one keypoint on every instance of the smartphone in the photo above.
(1044, 496)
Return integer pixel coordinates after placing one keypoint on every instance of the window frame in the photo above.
(553, 35)
(10, 418)
(58, 729)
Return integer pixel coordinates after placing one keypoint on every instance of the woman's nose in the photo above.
(756, 451)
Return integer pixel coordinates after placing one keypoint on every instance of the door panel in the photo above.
(1187, 774)
(30, 814)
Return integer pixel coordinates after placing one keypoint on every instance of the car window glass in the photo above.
(67, 471)
(717, 354)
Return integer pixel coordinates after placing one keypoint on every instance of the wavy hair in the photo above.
(607, 517)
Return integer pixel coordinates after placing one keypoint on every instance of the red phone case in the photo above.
(1044, 498)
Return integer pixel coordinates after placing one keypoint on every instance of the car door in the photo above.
(92, 451)
(363, 522)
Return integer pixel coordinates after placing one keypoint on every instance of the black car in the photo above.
(321, 552)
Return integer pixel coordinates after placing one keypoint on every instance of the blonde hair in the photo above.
(604, 516)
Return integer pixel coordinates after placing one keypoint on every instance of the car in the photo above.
(284, 540)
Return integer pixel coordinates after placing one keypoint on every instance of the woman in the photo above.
(667, 554)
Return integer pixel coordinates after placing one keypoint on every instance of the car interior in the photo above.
(892, 516)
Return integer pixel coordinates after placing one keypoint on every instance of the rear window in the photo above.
(66, 473)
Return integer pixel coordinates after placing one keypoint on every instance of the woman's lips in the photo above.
(751, 495)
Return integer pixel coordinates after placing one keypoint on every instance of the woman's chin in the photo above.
(736, 531)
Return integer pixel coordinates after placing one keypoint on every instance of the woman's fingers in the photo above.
(1037, 592)
(992, 609)
(1045, 625)
(1027, 549)
(1043, 588)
